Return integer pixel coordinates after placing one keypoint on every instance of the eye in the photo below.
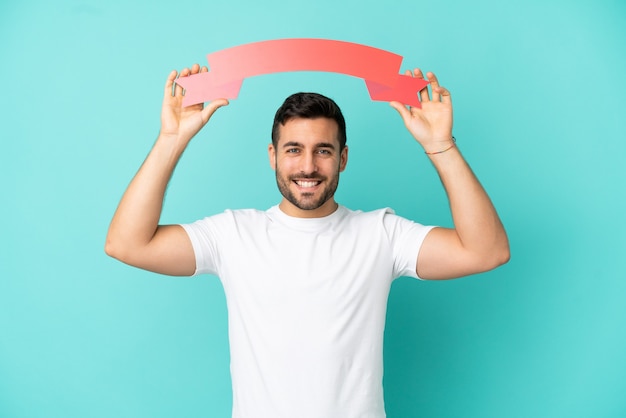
(292, 150)
(324, 151)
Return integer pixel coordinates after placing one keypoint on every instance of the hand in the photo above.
(431, 125)
(184, 122)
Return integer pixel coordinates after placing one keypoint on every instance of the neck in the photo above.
(288, 208)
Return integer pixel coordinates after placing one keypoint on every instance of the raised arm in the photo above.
(135, 236)
(478, 241)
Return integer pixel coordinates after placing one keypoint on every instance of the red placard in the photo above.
(229, 67)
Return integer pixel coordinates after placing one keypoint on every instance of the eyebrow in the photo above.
(318, 145)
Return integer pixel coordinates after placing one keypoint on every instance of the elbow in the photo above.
(504, 251)
(113, 249)
(500, 252)
(490, 259)
(498, 256)
(110, 248)
(504, 256)
(124, 251)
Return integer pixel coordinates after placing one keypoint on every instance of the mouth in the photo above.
(307, 184)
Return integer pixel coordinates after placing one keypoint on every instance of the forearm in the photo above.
(476, 221)
(136, 219)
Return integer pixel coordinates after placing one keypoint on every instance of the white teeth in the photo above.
(307, 183)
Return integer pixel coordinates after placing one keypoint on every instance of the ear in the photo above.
(271, 153)
(343, 159)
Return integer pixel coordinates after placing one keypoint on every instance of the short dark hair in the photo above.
(309, 106)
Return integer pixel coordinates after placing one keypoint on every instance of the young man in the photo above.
(307, 281)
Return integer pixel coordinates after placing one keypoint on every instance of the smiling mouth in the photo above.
(305, 184)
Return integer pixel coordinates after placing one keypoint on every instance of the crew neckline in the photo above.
(277, 213)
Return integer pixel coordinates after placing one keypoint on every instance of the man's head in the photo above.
(308, 151)
(309, 106)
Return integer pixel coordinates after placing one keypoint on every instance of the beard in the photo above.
(307, 201)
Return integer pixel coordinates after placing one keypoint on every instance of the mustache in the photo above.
(305, 176)
(308, 176)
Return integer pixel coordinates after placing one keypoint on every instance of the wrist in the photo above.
(440, 146)
(173, 137)
(171, 143)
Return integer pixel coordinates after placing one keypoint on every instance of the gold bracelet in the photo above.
(442, 151)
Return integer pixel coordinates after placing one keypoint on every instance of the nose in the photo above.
(309, 163)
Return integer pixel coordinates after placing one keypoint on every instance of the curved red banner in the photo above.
(229, 67)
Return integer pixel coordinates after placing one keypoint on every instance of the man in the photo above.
(307, 281)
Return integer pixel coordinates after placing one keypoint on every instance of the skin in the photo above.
(308, 149)
(478, 241)
(135, 236)
(307, 162)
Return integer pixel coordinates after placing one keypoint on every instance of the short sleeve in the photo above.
(203, 235)
(406, 238)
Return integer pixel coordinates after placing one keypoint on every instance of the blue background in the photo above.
(538, 88)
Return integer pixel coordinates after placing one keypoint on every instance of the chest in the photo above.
(306, 270)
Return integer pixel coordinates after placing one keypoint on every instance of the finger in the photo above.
(404, 113)
(445, 95)
(179, 89)
(195, 69)
(423, 94)
(169, 84)
(210, 109)
(434, 84)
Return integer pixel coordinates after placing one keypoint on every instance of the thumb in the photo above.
(401, 109)
(209, 109)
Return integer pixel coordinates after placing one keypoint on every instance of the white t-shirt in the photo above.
(307, 301)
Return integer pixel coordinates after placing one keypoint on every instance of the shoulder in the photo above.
(372, 216)
(383, 219)
(229, 219)
(388, 220)
(235, 215)
(245, 214)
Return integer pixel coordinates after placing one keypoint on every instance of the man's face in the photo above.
(307, 162)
